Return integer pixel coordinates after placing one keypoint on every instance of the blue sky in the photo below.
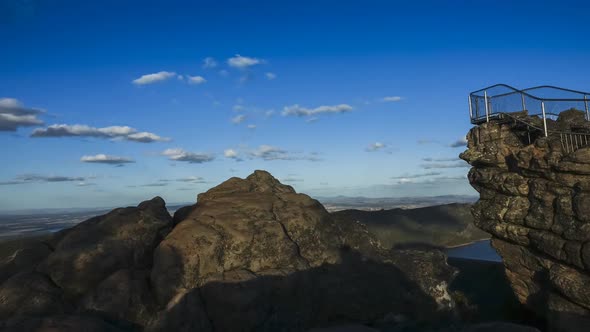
(106, 104)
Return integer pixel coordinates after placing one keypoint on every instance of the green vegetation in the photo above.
(442, 225)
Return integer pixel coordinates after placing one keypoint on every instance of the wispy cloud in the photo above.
(112, 132)
(302, 111)
(13, 115)
(415, 175)
(192, 179)
(154, 78)
(291, 180)
(429, 159)
(459, 143)
(238, 119)
(196, 79)
(251, 126)
(232, 154)
(36, 178)
(209, 62)
(268, 152)
(190, 157)
(391, 99)
(459, 164)
(242, 62)
(375, 147)
(270, 76)
(106, 159)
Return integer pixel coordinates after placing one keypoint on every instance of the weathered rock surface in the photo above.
(101, 265)
(91, 251)
(254, 255)
(534, 200)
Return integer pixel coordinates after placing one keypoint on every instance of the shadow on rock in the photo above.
(356, 290)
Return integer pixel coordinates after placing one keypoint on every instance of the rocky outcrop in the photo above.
(100, 265)
(250, 255)
(535, 201)
(253, 254)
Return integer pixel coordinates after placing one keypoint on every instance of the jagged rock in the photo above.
(93, 250)
(254, 254)
(535, 202)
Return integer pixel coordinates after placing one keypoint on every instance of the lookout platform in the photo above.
(540, 111)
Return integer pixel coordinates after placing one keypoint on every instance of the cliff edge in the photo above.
(535, 201)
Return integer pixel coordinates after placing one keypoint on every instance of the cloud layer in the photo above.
(302, 111)
(36, 178)
(189, 157)
(154, 78)
(13, 115)
(243, 62)
(106, 159)
(112, 132)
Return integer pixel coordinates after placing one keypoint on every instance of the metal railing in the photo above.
(543, 101)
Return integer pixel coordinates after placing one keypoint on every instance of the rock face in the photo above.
(535, 201)
(251, 255)
(101, 265)
(254, 255)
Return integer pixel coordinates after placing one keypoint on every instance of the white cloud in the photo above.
(302, 111)
(270, 76)
(238, 119)
(251, 126)
(209, 62)
(36, 178)
(269, 113)
(230, 153)
(153, 78)
(196, 79)
(112, 132)
(106, 159)
(268, 152)
(238, 108)
(459, 164)
(13, 115)
(375, 146)
(178, 154)
(242, 62)
(192, 179)
(392, 99)
(145, 137)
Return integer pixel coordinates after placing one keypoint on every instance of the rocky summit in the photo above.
(250, 255)
(535, 201)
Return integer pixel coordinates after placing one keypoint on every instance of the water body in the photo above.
(480, 250)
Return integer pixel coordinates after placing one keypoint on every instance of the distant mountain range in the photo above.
(366, 203)
(441, 225)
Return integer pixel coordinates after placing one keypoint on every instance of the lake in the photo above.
(480, 250)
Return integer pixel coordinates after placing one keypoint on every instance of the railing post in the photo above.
(485, 97)
(522, 99)
(586, 106)
(470, 109)
(544, 118)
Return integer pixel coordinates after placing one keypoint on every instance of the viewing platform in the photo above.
(540, 111)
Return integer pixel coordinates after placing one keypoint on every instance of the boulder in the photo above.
(93, 250)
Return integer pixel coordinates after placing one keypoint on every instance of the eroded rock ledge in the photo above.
(535, 201)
